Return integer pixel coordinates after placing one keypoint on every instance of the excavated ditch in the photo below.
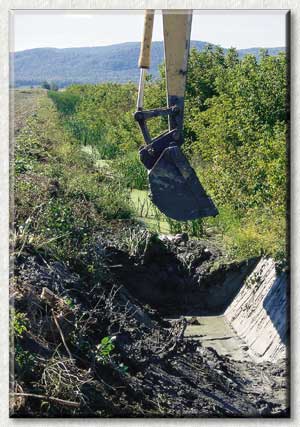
(239, 309)
(181, 278)
(199, 336)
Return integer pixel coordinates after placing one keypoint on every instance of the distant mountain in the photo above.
(117, 63)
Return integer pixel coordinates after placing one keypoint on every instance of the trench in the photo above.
(254, 326)
(239, 310)
(241, 313)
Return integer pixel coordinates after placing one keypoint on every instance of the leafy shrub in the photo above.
(237, 134)
(102, 117)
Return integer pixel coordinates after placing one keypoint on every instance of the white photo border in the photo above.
(8, 5)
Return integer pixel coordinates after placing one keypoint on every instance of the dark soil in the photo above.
(152, 371)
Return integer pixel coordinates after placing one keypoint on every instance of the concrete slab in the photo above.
(258, 313)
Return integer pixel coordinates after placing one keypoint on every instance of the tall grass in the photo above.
(131, 171)
(62, 199)
(65, 102)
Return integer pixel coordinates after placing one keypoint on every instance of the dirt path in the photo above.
(24, 102)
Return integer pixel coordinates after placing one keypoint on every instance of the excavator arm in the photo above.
(177, 32)
(174, 186)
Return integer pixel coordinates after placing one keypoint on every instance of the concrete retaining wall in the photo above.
(258, 313)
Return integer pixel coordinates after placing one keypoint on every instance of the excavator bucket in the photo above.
(175, 188)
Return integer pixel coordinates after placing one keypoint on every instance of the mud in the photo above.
(216, 332)
(164, 304)
(180, 278)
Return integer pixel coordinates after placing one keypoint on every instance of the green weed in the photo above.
(20, 323)
(61, 202)
(104, 350)
(24, 360)
(65, 102)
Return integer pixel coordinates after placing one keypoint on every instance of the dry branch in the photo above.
(49, 398)
(62, 335)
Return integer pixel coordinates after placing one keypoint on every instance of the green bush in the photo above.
(237, 134)
(101, 116)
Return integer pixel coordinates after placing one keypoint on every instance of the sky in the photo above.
(228, 28)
